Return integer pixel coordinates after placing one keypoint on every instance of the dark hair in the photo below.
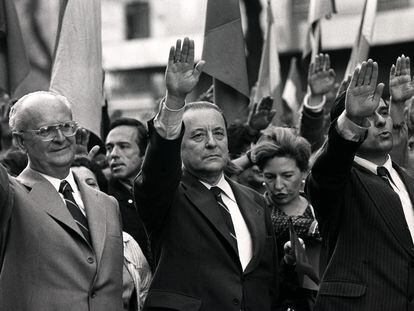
(205, 105)
(142, 133)
(100, 177)
(282, 142)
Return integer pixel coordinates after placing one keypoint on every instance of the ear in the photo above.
(19, 141)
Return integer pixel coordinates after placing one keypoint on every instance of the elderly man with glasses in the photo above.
(60, 240)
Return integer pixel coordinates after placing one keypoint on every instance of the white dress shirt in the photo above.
(168, 124)
(351, 131)
(244, 239)
(71, 180)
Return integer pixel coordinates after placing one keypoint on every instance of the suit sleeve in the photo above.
(157, 183)
(6, 198)
(325, 185)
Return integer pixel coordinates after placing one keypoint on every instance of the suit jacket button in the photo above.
(236, 301)
(93, 295)
(90, 260)
(130, 201)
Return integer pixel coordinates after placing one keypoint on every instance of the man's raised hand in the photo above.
(363, 94)
(401, 84)
(181, 76)
(321, 78)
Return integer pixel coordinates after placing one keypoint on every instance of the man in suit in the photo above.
(60, 240)
(363, 201)
(211, 237)
(125, 148)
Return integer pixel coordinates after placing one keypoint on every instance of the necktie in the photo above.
(74, 209)
(226, 214)
(385, 175)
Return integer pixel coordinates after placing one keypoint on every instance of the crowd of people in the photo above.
(189, 212)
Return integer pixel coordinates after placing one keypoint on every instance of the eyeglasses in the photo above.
(48, 133)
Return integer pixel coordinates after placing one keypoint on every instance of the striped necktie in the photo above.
(226, 213)
(74, 209)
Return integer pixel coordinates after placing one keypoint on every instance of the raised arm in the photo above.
(401, 90)
(330, 173)
(321, 80)
(160, 175)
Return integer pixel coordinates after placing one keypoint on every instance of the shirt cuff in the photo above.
(317, 108)
(168, 121)
(349, 130)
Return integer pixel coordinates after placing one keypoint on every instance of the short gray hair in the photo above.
(15, 110)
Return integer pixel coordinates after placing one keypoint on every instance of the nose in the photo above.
(59, 137)
(278, 183)
(211, 141)
(379, 120)
(113, 153)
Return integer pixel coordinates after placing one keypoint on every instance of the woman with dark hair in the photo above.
(283, 158)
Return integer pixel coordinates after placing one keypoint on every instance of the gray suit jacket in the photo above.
(47, 264)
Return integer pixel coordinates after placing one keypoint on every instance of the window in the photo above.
(137, 20)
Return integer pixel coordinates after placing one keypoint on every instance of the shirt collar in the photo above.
(224, 186)
(372, 166)
(56, 181)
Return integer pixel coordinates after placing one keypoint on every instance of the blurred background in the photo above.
(137, 34)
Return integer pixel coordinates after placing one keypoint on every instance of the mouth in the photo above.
(385, 135)
(60, 149)
(213, 156)
(116, 166)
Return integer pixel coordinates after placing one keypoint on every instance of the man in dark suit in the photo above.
(60, 240)
(212, 238)
(363, 201)
(125, 148)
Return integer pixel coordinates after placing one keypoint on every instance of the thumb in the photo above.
(93, 152)
(198, 69)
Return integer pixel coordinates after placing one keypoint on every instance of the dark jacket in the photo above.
(197, 266)
(370, 250)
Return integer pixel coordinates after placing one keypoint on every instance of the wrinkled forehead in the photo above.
(203, 118)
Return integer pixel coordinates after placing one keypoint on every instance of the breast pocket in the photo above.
(342, 289)
(171, 300)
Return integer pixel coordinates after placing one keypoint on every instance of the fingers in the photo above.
(398, 66)
(190, 57)
(392, 72)
(327, 63)
(177, 55)
(93, 152)
(344, 84)
(171, 56)
(185, 50)
(82, 137)
(362, 72)
(407, 66)
(354, 79)
(378, 92)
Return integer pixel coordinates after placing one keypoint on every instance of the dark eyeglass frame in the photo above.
(49, 132)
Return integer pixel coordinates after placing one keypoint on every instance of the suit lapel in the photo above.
(253, 215)
(388, 205)
(96, 215)
(205, 202)
(48, 198)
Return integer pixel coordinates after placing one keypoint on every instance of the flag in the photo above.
(14, 63)
(318, 9)
(224, 53)
(77, 65)
(303, 265)
(268, 83)
(363, 39)
(292, 92)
